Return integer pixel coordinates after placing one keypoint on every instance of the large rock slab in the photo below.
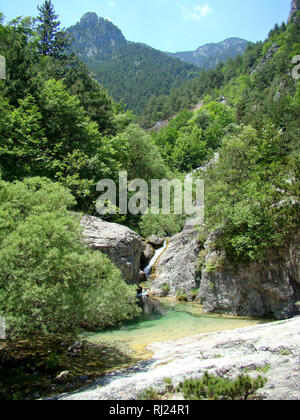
(227, 354)
(270, 288)
(119, 243)
(177, 267)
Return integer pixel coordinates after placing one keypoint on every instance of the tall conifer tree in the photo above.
(53, 41)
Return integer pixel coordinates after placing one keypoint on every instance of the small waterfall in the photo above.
(157, 254)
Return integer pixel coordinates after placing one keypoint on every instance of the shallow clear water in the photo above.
(165, 319)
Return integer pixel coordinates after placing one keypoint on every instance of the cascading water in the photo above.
(156, 256)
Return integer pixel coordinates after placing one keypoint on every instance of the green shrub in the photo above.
(211, 387)
(169, 387)
(193, 294)
(202, 237)
(215, 264)
(50, 282)
(249, 196)
(181, 296)
(166, 288)
(285, 352)
(161, 225)
(201, 260)
(148, 394)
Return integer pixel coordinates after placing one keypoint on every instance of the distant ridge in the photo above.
(133, 72)
(210, 55)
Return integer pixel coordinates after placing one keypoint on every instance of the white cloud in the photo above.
(111, 3)
(197, 12)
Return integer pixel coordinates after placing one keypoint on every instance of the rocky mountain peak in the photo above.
(89, 18)
(94, 35)
(295, 8)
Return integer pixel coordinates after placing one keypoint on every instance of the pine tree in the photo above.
(53, 41)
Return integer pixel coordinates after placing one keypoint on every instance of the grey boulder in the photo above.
(177, 267)
(119, 243)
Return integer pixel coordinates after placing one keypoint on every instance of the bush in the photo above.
(166, 288)
(181, 296)
(193, 294)
(149, 394)
(161, 225)
(211, 387)
(251, 194)
(215, 264)
(50, 282)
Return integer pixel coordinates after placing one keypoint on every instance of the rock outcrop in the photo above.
(177, 267)
(268, 57)
(155, 241)
(268, 289)
(119, 243)
(147, 255)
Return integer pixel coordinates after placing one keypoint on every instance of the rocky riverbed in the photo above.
(272, 348)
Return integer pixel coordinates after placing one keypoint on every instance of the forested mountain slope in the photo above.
(130, 72)
(260, 70)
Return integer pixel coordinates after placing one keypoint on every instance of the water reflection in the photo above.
(166, 319)
(152, 307)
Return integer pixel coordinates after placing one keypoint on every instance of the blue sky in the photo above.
(170, 25)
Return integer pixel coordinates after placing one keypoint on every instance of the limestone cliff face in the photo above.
(271, 288)
(295, 7)
(119, 243)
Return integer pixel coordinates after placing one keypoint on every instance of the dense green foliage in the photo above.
(49, 281)
(214, 388)
(57, 122)
(252, 193)
(190, 138)
(148, 72)
(130, 72)
(139, 154)
(231, 79)
(161, 225)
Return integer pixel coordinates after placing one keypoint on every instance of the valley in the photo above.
(98, 302)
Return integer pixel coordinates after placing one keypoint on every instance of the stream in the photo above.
(30, 372)
(166, 319)
(157, 255)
